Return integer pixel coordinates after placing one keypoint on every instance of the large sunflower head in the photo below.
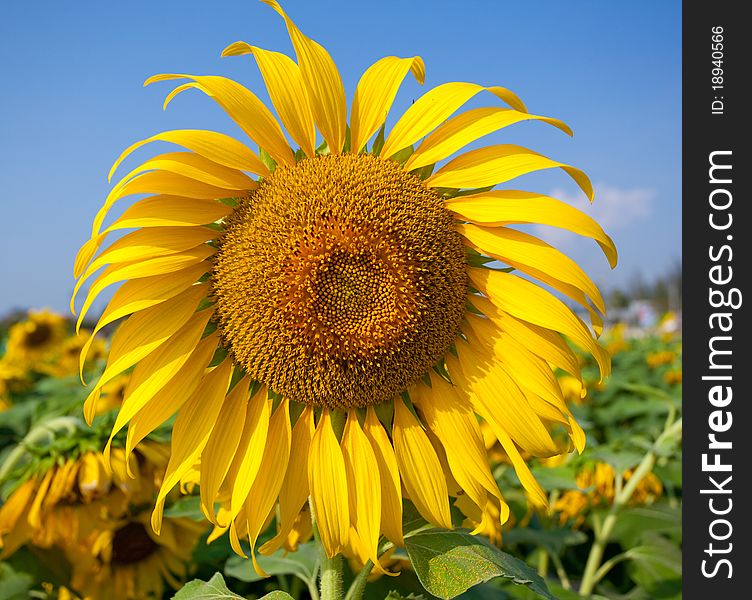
(330, 318)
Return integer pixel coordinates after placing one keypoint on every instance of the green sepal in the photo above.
(378, 143)
(348, 143)
(266, 158)
(219, 355)
(323, 149)
(231, 202)
(424, 172)
(402, 156)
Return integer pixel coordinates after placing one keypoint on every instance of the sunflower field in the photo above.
(339, 363)
(70, 527)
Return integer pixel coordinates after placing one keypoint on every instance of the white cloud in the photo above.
(615, 209)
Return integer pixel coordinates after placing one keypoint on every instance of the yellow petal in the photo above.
(528, 302)
(161, 182)
(196, 167)
(375, 94)
(158, 368)
(294, 491)
(243, 107)
(217, 147)
(238, 529)
(497, 164)
(144, 244)
(287, 91)
(536, 258)
(140, 294)
(323, 82)
(547, 344)
(250, 450)
(266, 487)
(57, 485)
(219, 452)
(143, 333)
(502, 207)
(531, 372)
(168, 400)
(456, 427)
(495, 392)
(161, 265)
(389, 478)
(34, 516)
(468, 127)
(191, 431)
(364, 490)
(93, 479)
(420, 468)
(532, 487)
(327, 480)
(170, 211)
(86, 253)
(434, 107)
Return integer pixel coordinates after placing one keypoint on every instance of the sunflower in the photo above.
(35, 338)
(597, 485)
(124, 560)
(60, 505)
(335, 327)
(64, 360)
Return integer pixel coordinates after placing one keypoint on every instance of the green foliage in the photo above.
(450, 562)
(303, 564)
(214, 589)
(629, 418)
(14, 585)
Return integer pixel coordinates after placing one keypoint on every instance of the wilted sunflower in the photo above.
(63, 501)
(331, 329)
(124, 560)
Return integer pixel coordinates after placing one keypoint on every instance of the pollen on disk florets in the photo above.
(339, 281)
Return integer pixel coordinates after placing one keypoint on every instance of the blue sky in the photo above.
(72, 99)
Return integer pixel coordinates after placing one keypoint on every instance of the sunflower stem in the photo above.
(330, 568)
(592, 568)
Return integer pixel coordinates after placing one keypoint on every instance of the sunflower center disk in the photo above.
(131, 543)
(340, 281)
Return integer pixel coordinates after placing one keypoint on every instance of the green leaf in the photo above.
(554, 540)
(277, 595)
(556, 478)
(303, 563)
(564, 594)
(450, 562)
(395, 595)
(187, 506)
(636, 522)
(620, 460)
(13, 585)
(656, 567)
(214, 589)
